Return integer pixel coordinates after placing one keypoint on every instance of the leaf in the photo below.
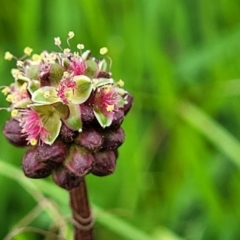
(74, 120)
(45, 95)
(103, 120)
(82, 92)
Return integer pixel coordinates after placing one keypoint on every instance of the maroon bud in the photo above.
(78, 161)
(104, 164)
(90, 139)
(103, 74)
(65, 179)
(113, 139)
(12, 132)
(87, 114)
(55, 153)
(128, 105)
(118, 118)
(66, 134)
(33, 167)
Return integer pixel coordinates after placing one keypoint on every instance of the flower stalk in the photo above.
(81, 213)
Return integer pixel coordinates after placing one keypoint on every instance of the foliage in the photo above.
(178, 172)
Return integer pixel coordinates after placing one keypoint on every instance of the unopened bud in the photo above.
(55, 153)
(87, 114)
(33, 167)
(66, 134)
(128, 105)
(65, 179)
(104, 163)
(118, 118)
(12, 132)
(78, 161)
(90, 139)
(113, 139)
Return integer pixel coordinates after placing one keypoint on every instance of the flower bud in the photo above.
(66, 134)
(128, 106)
(65, 179)
(33, 167)
(113, 139)
(104, 163)
(55, 153)
(12, 132)
(87, 114)
(78, 161)
(90, 139)
(118, 118)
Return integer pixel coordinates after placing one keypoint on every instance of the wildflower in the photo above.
(69, 109)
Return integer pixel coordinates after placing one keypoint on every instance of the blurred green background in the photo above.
(178, 172)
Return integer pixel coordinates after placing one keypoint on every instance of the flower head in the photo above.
(68, 104)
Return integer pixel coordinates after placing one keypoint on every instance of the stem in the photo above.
(83, 224)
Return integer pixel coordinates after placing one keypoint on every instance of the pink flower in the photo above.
(32, 126)
(65, 86)
(106, 100)
(78, 66)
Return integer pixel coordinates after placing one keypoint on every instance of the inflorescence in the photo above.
(68, 110)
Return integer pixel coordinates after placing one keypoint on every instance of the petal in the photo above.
(51, 121)
(83, 90)
(56, 74)
(74, 121)
(103, 120)
(45, 95)
(91, 68)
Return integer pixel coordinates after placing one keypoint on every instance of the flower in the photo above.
(69, 109)
(33, 127)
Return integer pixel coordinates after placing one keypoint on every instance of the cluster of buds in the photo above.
(67, 110)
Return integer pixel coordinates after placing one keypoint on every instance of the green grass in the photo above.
(178, 173)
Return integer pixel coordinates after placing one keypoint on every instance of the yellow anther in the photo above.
(8, 56)
(33, 141)
(107, 89)
(80, 46)
(36, 58)
(103, 50)
(6, 90)
(28, 50)
(9, 98)
(120, 83)
(14, 113)
(57, 41)
(53, 56)
(110, 108)
(66, 51)
(16, 73)
(71, 34)
(65, 74)
(20, 63)
(46, 94)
